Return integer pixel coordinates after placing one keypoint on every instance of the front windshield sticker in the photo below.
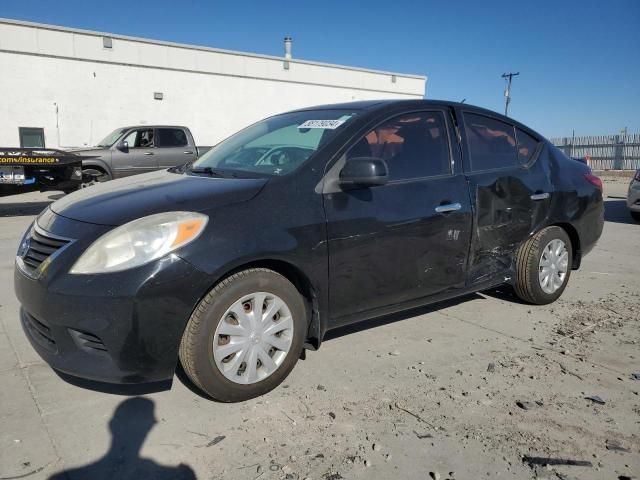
(326, 124)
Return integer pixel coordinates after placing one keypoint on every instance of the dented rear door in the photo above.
(510, 186)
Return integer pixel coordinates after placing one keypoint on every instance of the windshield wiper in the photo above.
(208, 170)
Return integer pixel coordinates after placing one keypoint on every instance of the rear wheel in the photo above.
(245, 336)
(635, 215)
(543, 266)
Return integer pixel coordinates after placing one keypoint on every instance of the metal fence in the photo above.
(607, 152)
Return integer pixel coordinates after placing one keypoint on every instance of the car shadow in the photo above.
(132, 421)
(192, 387)
(505, 292)
(115, 388)
(396, 317)
(616, 211)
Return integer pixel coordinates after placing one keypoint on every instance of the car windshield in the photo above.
(111, 138)
(276, 145)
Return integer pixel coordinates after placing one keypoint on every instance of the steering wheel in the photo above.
(279, 157)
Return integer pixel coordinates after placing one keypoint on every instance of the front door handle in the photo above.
(540, 196)
(448, 207)
(188, 152)
(148, 153)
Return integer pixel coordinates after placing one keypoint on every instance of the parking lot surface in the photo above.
(479, 387)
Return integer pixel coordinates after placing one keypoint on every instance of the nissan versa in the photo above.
(301, 223)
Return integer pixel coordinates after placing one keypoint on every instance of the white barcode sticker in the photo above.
(326, 124)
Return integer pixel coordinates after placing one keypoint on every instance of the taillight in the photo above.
(593, 180)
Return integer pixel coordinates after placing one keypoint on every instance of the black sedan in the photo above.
(235, 264)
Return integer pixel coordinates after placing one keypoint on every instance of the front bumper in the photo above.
(122, 327)
(633, 196)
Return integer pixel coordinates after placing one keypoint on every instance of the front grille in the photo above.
(87, 341)
(39, 331)
(41, 246)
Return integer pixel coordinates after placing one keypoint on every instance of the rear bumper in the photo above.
(116, 328)
(589, 225)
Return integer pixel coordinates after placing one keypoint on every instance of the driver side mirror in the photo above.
(123, 146)
(361, 172)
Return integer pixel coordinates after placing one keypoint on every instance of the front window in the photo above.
(414, 145)
(111, 138)
(276, 145)
(142, 138)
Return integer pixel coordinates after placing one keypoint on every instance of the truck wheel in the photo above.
(245, 335)
(635, 215)
(543, 266)
(93, 175)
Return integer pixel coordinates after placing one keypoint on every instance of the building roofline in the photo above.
(187, 46)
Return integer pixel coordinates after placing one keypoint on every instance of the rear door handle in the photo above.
(188, 152)
(449, 207)
(540, 196)
(148, 153)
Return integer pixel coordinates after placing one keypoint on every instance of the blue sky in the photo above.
(578, 59)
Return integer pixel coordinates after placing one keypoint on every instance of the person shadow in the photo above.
(132, 421)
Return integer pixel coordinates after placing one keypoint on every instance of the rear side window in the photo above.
(492, 143)
(526, 146)
(171, 137)
(414, 145)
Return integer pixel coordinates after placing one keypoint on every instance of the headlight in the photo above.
(140, 241)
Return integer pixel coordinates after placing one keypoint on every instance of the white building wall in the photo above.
(66, 82)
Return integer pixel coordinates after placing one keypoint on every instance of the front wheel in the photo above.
(543, 266)
(245, 336)
(93, 175)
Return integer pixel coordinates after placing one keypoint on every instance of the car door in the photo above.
(407, 239)
(510, 188)
(139, 155)
(172, 147)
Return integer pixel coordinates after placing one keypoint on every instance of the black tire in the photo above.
(196, 347)
(527, 285)
(93, 175)
(635, 215)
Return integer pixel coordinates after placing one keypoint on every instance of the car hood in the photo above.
(90, 150)
(120, 201)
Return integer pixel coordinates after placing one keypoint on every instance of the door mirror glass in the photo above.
(123, 146)
(361, 172)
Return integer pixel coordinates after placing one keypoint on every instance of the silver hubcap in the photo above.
(553, 266)
(253, 338)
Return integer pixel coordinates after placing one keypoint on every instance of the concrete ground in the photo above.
(464, 390)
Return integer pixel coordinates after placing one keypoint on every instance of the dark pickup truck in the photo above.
(131, 150)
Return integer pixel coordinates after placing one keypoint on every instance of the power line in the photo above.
(507, 93)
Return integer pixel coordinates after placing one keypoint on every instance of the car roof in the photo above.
(153, 126)
(374, 105)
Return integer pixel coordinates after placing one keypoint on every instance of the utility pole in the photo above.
(507, 92)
